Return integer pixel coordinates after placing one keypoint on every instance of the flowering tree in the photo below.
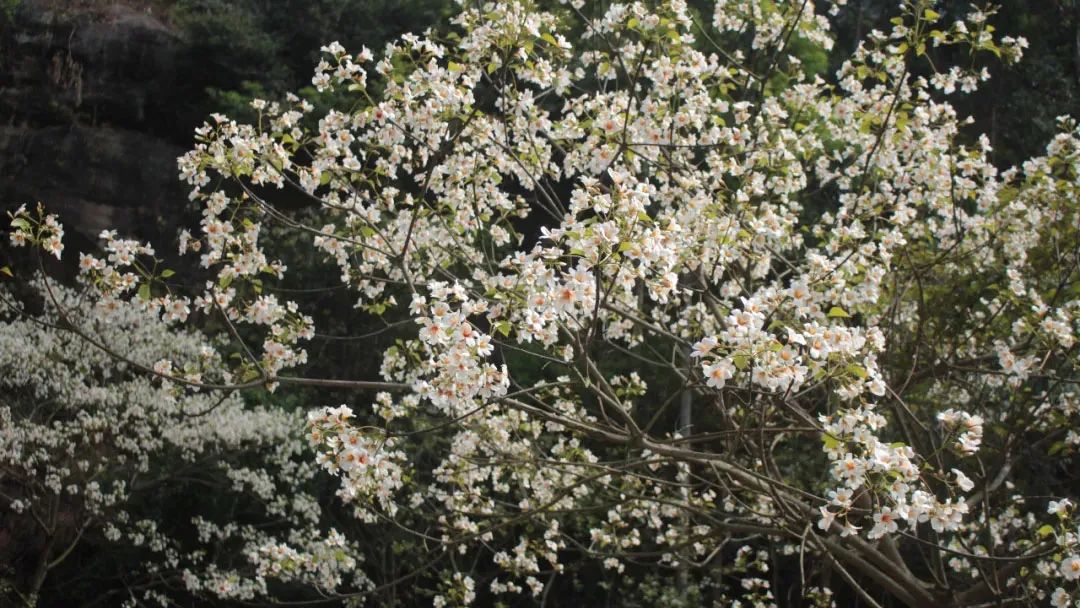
(678, 302)
(91, 452)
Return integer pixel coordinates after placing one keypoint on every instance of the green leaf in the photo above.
(548, 38)
(837, 312)
(20, 222)
(740, 361)
(931, 15)
(144, 292)
(454, 66)
(1045, 531)
(167, 273)
(856, 370)
(6, 270)
(831, 443)
(503, 327)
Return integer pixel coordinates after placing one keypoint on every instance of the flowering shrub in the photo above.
(91, 452)
(678, 303)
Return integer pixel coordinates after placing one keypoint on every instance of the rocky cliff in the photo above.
(89, 121)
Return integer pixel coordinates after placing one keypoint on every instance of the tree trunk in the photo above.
(40, 572)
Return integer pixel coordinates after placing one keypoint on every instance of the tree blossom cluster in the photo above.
(672, 301)
(89, 447)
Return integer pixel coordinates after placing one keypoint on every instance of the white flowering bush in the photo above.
(676, 303)
(94, 456)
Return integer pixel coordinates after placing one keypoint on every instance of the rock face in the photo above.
(94, 177)
(86, 93)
